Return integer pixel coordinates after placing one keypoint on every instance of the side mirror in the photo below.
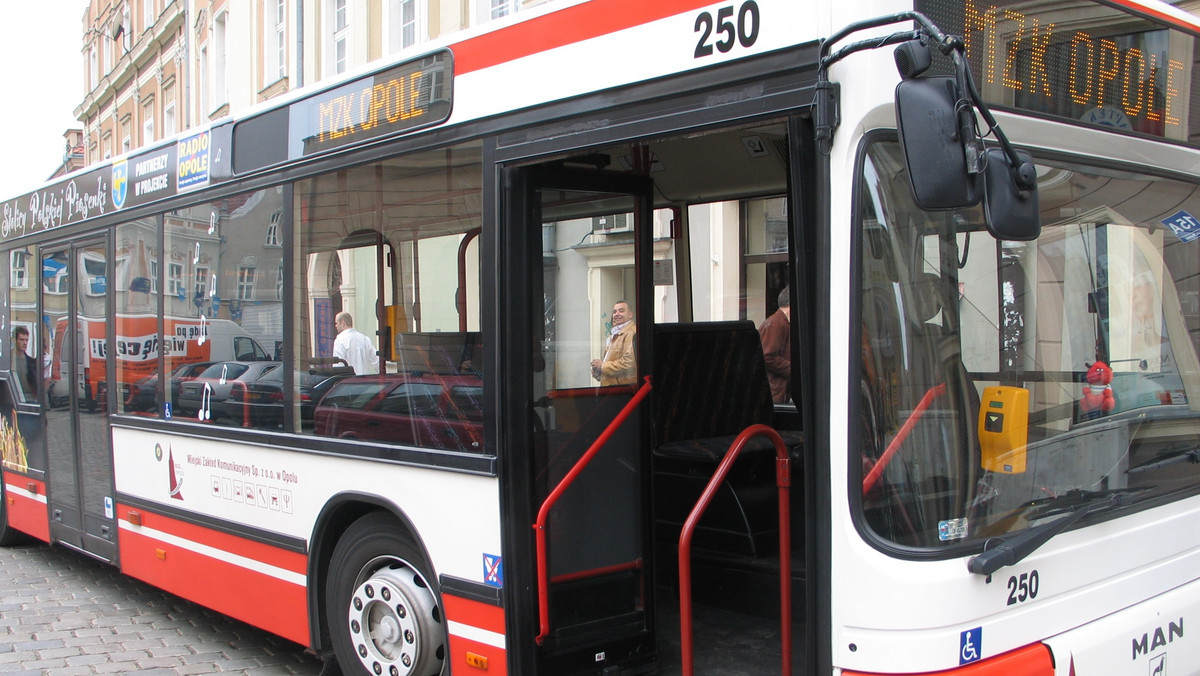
(1011, 205)
(930, 115)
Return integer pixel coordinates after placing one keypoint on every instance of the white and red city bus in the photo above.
(985, 399)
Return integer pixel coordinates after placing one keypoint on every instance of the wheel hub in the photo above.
(386, 614)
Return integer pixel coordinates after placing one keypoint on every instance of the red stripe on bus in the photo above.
(1193, 27)
(250, 596)
(251, 549)
(465, 657)
(566, 26)
(465, 654)
(474, 613)
(26, 514)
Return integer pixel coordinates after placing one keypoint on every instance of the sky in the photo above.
(42, 83)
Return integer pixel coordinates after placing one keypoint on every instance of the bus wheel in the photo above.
(383, 615)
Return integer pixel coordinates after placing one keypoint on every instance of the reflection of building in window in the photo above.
(174, 279)
(200, 288)
(272, 238)
(245, 287)
(20, 269)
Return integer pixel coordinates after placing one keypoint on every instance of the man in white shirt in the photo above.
(353, 346)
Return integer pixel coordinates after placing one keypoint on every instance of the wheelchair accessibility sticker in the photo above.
(970, 645)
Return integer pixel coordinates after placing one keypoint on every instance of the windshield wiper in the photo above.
(1006, 551)
(1191, 454)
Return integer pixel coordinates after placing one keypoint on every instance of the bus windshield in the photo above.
(1000, 382)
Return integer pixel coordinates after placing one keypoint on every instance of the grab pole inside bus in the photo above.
(783, 480)
(543, 576)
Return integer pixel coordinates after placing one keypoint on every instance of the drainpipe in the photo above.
(299, 43)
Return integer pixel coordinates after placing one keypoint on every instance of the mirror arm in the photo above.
(1024, 173)
(875, 43)
(926, 25)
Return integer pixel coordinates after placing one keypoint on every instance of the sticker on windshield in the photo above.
(952, 529)
(1184, 225)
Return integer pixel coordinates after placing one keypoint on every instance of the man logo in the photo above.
(120, 183)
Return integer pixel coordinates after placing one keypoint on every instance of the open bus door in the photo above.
(594, 598)
(80, 473)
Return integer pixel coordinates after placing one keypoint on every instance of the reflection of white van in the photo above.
(223, 340)
(185, 340)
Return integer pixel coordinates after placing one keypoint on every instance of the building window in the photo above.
(200, 288)
(274, 40)
(245, 284)
(500, 8)
(174, 279)
(148, 122)
(20, 269)
(54, 276)
(169, 110)
(219, 95)
(95, 270)
(126, 134)
(340, 37)
(273, 229)
(153, 275)
(93, 67)
(204, 79)
(107, 46)
(402, 24)
(148, 13)
(126, 31)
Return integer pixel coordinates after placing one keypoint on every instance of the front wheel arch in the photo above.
(334, 528)
(382, 608)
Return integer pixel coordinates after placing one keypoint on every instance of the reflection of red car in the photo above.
(429, 410)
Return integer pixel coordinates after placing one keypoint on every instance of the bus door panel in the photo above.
(584, 373)
(80, 477)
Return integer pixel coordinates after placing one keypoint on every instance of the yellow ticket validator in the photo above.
(1004, 428)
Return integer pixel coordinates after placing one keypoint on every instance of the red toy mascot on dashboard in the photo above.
(1097, 392)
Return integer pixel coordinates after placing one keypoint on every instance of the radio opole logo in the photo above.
(193, 159)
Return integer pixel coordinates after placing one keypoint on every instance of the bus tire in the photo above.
(383, 615)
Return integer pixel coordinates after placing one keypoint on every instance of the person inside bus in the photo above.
(353, 346)
(24, 366)
(619, 365)
(776, 335)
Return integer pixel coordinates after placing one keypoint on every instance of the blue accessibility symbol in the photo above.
(970, 645)
(493, 570)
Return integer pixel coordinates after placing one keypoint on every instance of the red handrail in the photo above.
(544, 513)
(783, 480)
(913, 418)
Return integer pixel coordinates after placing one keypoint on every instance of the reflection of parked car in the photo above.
(201, 395)
(429, 410)
(260, 402)
(141, 396)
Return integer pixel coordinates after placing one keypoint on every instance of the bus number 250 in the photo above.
(745, 32)
(1023, 588)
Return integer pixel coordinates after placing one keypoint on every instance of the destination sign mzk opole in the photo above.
(414, 94)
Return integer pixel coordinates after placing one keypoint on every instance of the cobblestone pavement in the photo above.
(62, 613)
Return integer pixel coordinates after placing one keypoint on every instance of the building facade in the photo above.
(154, 68)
